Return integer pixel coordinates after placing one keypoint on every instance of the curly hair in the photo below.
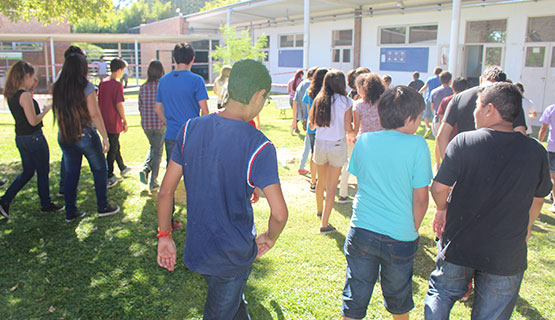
(372, 87)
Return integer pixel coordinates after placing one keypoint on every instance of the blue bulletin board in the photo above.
(290, 58)
(404, 59)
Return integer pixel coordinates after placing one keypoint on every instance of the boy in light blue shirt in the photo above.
(393, 169)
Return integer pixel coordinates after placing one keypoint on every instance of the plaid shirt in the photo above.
(147, 98)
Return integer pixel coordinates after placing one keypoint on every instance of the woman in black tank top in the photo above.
(29, 139)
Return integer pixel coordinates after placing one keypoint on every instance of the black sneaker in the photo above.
(5, 209)
(343, 200)
(77, 215)
(328, 229)
(3, 182)
(108, 211)
(52, 207)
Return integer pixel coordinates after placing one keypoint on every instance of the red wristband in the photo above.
(163, 234)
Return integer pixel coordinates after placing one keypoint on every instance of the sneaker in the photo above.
(551, 197)
(52, 207)
(3, 182)
(108, 211)
(328, 229)
(344, 200)
(552, 208)
(154, 186)
(313, 187)
(303, 171)
(5, 209)
(143, 176)
(77, 215)
(427, 133)
(176, 225)
(60, 194)
(125, 171)
(112, 182)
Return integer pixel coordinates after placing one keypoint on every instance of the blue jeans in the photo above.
(427, 114)
(90, 147)
(494, 296)
(369, 255)
(154, 156)
(306, 151)
(35, 156)
(225, 298)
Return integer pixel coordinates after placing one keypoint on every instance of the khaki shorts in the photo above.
(332, 152)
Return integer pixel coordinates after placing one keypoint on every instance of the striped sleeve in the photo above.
(177, 153)
(262, 169)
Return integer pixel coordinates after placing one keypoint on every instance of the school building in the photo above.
(399, 37)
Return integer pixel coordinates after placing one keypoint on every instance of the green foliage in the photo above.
(217, 3)
(238, 45)
(57, 10)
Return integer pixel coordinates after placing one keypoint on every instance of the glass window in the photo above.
(535, 57)
(493, 56)
(423, 34)
(486, 31)
(5, 46)
(299, 40)
(266, 56)
(342, 38)
(267, 46)
(286, 41)
(347, 55)
(200, 45)
(541, 29)
(215, 43)
(28, 46)
(336, 53)
(393, 35)
(201, 56)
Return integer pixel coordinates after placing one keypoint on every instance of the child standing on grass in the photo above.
(393, 170)
(222, 159)
(220, 85)
(110, 101)
(332, 116)
(153, 127)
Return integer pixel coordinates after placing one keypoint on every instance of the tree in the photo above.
(57, 10)
(238, 45)
(213, 4)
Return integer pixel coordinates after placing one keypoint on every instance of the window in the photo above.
(20, 46)
(486, 31)
(266, 49)
(534, 57)
(336, 55)
(342, 38)
(5, 46)
(347, 55)
(540, 29)
(291, 41)
(200, 45)
(408, 34)
(215, 43)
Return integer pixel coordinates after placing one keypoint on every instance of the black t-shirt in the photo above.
(416, 84)
(460, 111)
(22, 126)
(497, 175)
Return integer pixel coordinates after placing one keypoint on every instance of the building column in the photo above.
(53, 59)
(119, 50)
(357, 36)
(46, 63)
(210, 69)
(454, 38)
(137, 62)
(306, 37)
(228, 17)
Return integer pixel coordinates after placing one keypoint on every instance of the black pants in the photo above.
(114, 154)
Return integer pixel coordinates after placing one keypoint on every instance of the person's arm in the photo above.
(424, 87)
(159, 109)
(419, 205)
(26, 102)
(96, 117)
(166, 245)
(534, 214)
(443, 137)
(543, 132)
(277, 220)
(203, 107)
(348, 120)
(311, 120)
(216, 88)
(356, 127)
(121, 112)
(295, 107)
(440, 192)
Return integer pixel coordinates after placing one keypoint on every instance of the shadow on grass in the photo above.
(547, 219)
(527, 311)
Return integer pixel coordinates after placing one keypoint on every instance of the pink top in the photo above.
(290, 87)
(369, 117)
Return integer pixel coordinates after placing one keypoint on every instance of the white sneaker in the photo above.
(552, 208)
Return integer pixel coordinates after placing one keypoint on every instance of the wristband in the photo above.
(163, 234)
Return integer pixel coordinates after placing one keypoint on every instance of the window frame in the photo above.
(294, 47)
(407, 28)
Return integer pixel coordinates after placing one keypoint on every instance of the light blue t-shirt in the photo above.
(308, 100)
(180, 92)
(388, 165)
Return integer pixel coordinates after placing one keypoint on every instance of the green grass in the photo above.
(106, 268)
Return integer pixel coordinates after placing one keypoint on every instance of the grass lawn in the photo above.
(105, 268)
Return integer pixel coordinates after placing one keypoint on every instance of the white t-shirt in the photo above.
(336, 130)
(528, 107)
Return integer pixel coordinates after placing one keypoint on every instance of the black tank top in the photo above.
(22, 126)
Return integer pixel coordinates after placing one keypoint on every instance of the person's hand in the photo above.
(106, 144)
(264, 244)
(166, 253)
(351, 139)
(294, 125)
(125, 126)
(439, 222)
(254, 197)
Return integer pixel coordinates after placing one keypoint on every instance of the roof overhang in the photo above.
(104, 37)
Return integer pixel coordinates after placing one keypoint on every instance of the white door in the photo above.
(480, 56)
(342, 58)
(549, 94)
(534, 73)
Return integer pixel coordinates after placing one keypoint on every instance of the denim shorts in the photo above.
(311, 139)
(371, 255)
(552, 161)
(427, 111)
(225, 299)
(332, 152)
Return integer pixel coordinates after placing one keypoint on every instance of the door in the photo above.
(534, 73)
(341, 58)
(479, 57)
(549, 94)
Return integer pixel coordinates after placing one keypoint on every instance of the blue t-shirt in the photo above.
(432, 82)
(438, 94)
(388, 165)
(308, 100)
(222, 161)
(180, 92)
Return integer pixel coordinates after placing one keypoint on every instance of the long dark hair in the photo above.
(299, 74)
(316, 84)
(15, 77)
(68, 98)
(155, 71)
(334, 82)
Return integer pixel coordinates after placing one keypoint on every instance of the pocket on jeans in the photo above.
(402, 252)
(503, 285)
(355, 245)
(452, 271)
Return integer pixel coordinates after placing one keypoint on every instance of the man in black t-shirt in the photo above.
(461, 108)
(416, 83)
(499, 180)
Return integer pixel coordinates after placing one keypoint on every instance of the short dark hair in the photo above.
(520, 86)
(460, 84)
(445, 77)
(387, 78)
(437, 71)
(155, 71)
(246, 78)
(311, 72)
(73, 50)
(505, 97)
(372, 86)
(117, 64)
(353, 74)
(416, 75)
(183, 53)
(101, 57)
(494, 74)
(398, 104)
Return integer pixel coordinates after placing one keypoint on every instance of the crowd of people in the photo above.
(489, 185)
